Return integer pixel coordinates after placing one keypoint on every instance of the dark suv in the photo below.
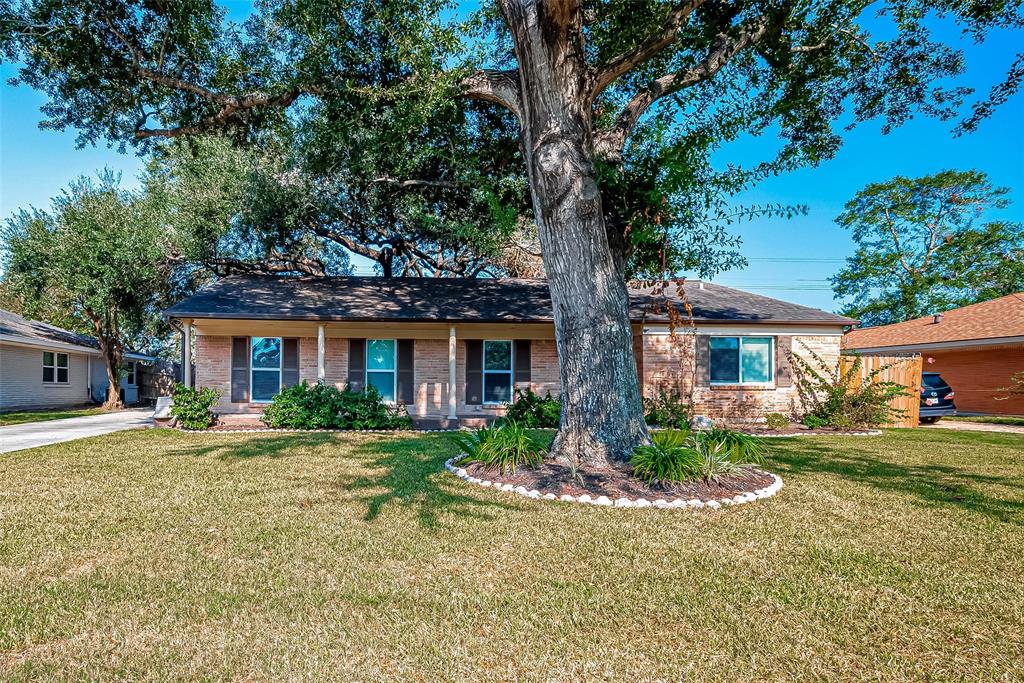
(936, 398)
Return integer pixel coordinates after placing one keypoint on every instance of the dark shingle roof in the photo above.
(378, 299)
(12, 324)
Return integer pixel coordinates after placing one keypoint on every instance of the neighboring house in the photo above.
(453, 350)
(976, 349)
(42, 366)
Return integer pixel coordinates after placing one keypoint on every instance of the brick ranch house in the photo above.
(453, 350)
(975, 348)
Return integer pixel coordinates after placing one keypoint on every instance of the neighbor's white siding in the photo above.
(21, 380)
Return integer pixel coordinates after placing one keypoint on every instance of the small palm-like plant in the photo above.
(677, 456)
(504, 448)
(739, 447)
(670, 458)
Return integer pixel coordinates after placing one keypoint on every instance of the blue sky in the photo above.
(789, 259)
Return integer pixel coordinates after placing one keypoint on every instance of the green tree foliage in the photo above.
(923, 247)
(96, 263)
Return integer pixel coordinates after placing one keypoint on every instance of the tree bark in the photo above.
(602, 415)
(112, 358)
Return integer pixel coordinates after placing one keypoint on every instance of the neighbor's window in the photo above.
(55, 368)
(497, 371)
(130, 378)
(266, 368)
(741, 360)
(380, 366)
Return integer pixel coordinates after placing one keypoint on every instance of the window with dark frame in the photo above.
(497, 371)
(55, 368)
(266, 368)
(381, 366)
(742, 360)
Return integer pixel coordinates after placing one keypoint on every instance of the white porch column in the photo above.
(321, 354)
(453, 397)
(186, 370)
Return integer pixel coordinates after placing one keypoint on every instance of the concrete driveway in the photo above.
(975, 427)
(33, 434)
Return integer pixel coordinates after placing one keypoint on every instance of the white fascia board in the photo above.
(934, 346)
(752, 330)
(31, 343)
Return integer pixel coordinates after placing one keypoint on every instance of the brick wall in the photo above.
(664, 362)
(668, 363)
(976, 376)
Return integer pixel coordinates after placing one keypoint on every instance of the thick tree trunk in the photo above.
(602, 415)
(112, 358)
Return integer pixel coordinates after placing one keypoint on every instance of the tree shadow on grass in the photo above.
(244, 448)
(411, 473)
(934, 484)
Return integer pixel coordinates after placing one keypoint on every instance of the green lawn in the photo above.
(990, 419)
(44, 415)
(158, 555)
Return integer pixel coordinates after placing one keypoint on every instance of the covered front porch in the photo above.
(444, 374)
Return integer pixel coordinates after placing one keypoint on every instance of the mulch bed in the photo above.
(617, 482)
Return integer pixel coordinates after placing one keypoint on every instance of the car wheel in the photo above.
(929, 420)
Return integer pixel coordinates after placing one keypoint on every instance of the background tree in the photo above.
(583, 80)
(94, 264)
(922, 247)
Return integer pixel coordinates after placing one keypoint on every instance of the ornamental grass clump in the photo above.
(670, 458)
(680, 456)
(504, 448)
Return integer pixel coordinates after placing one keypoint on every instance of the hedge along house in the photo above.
(454, 351)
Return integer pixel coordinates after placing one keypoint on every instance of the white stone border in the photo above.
(797, 435)
(676, 503)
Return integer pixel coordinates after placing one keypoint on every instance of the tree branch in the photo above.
(610, 141)
(625, 62)
(500, 87)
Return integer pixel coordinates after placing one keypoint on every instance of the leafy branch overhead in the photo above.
(925, 245)
(360, 96)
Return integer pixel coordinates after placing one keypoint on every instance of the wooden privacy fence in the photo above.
(157, 380)
(905, 370)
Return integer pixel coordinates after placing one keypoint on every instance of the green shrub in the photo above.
(677, 456)
(668, 410)
(322, 406)
(192, 406)
(670, 458)
(534, 412)
(812, 421)
(844, 400)
(504, 447)
(776, 421)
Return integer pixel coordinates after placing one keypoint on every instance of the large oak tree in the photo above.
(583, 81)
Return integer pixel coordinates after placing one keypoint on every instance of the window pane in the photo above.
(725, 359)
(265, 383)
(385, 383)
(47, 358)
(47, 374)
(62, 360)
(380, 354)
(756, 359)
(62, 375)
(497, 355)
(497, 387)
(266, 352)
